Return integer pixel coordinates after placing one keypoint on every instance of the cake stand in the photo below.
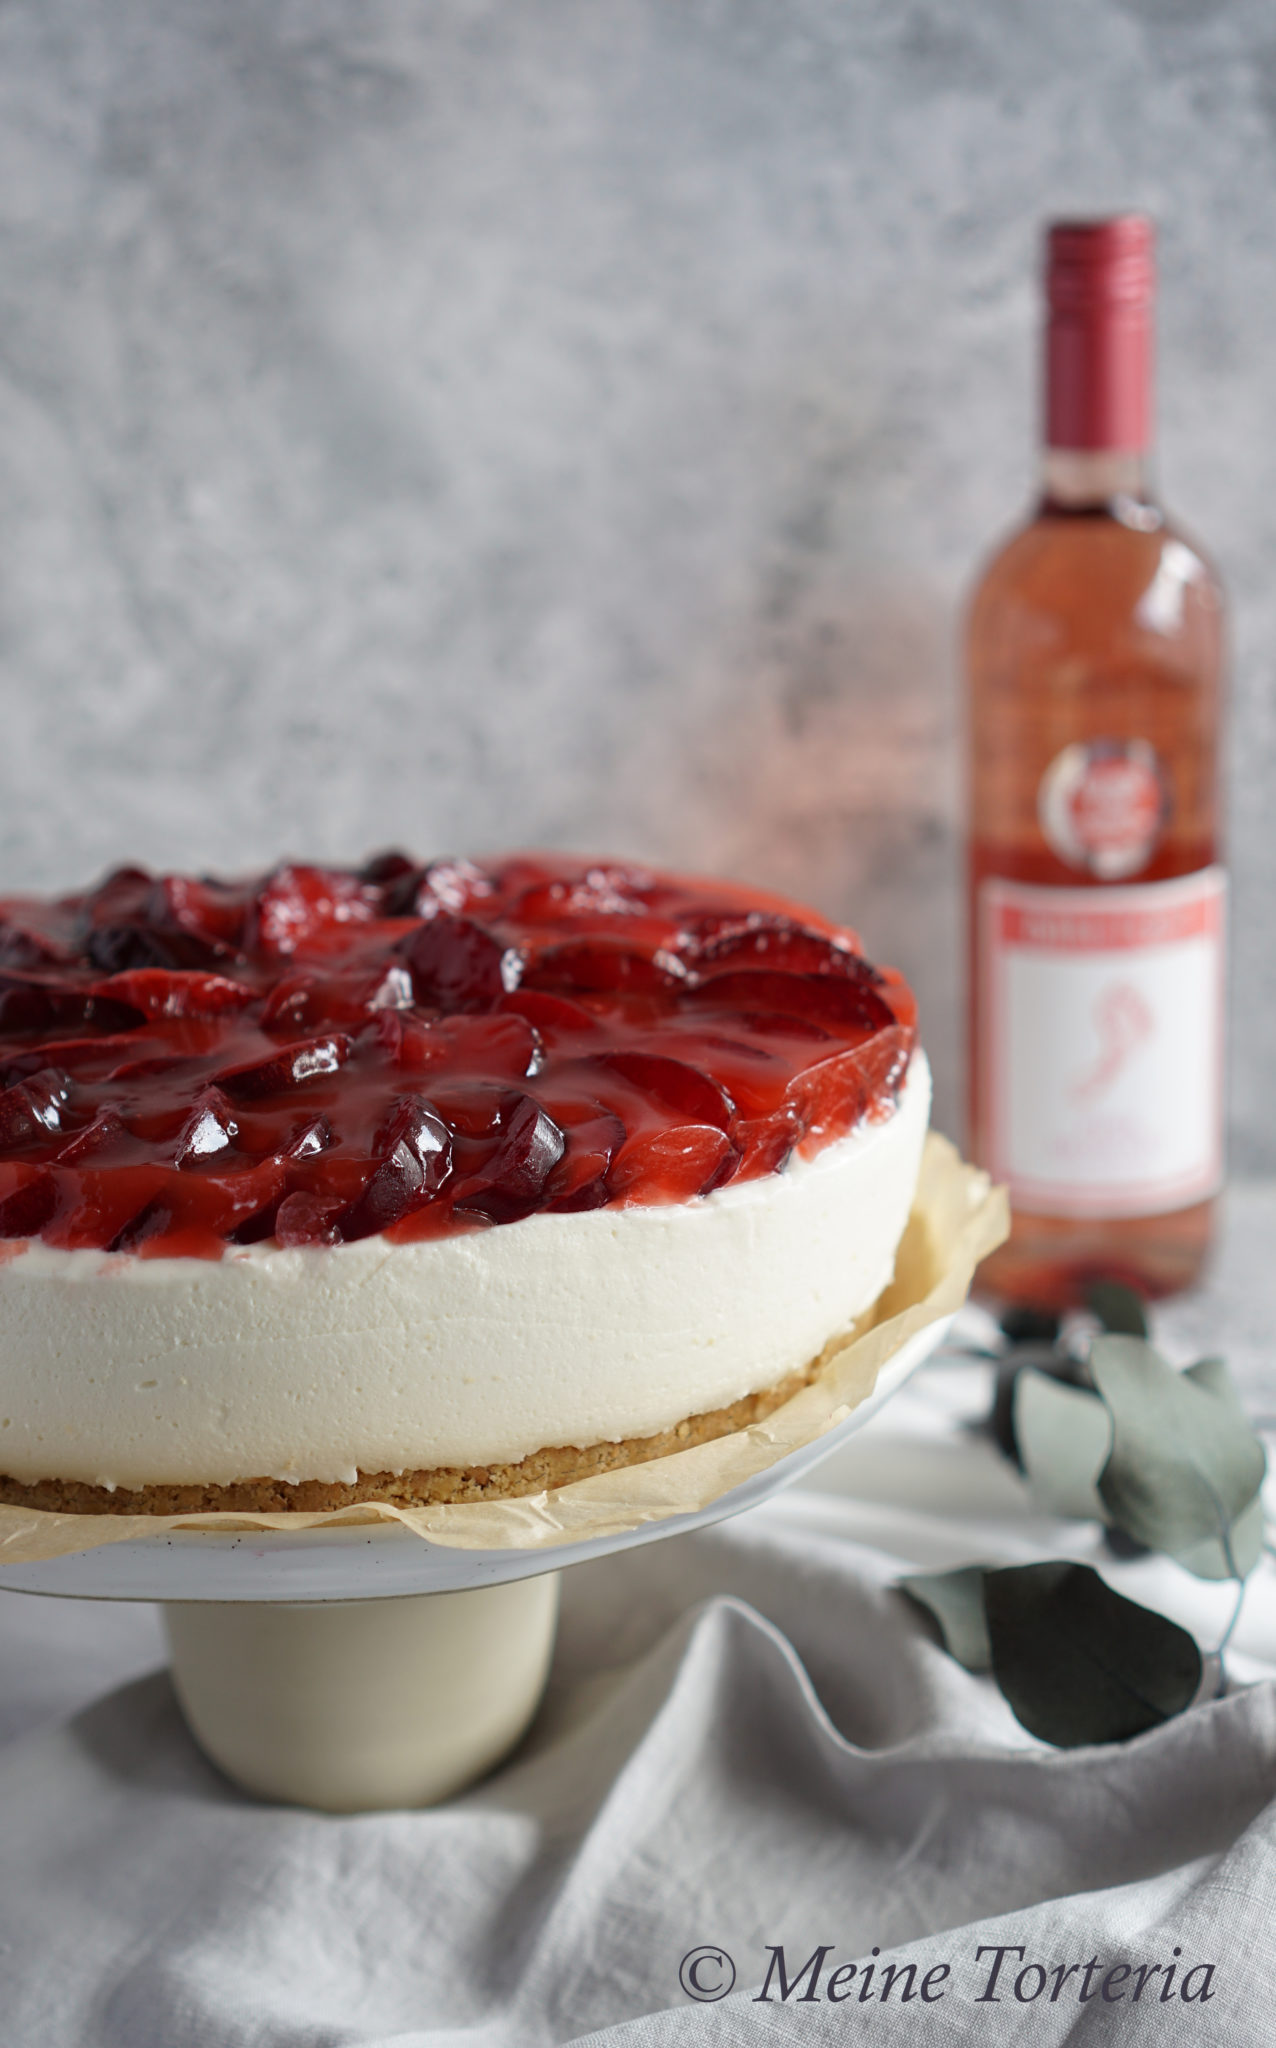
(360, 1666)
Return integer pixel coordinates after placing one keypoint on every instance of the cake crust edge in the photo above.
(434, 1486)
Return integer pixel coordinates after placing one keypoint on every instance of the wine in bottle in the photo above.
(1096, 892)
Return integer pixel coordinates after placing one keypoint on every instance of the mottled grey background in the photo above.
(577, 420)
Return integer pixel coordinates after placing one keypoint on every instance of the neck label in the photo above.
(1103, 805)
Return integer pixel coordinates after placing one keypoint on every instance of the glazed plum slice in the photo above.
(154, 1219)
(455, 885)
(390, 873)
(299, 1215)
(684, 1092)
(773, 944)
(298, 909)
(133, 920)
(604, 966)
(158, 992)
(556, 1019)
(830, 1097)
(456, 965)
(33, 1110)
(304, 1002)
(106, 1135)
(592, 1134)
(845, 1004)
(507, 1144)
(414, 1154)
(29, 1209)
(498, 1048)
(23, 948)
(672, 1165)
(28, 1005)
(291, 1067)
(209, 1130)
(313, 1138)
(303, 1218)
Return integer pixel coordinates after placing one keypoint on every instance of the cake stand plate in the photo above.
(355, 1668)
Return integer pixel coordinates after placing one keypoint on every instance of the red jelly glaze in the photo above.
(315, 1055)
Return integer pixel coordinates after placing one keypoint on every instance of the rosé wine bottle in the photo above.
(1096, 895)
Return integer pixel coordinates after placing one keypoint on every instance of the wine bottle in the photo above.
(1096, 891)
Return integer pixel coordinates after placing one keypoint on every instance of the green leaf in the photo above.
(1064, 1436)
(1077, 1662)
(1023, 1324)
(1118, 1308)
(1235, 1560)
(956, 1601)
(1185, 1461)
(1212, 1377)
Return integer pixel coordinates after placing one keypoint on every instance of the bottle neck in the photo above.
(1096, 480)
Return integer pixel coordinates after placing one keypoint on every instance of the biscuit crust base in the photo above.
(537, 1473)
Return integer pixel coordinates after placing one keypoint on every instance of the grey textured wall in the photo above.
(576, 420)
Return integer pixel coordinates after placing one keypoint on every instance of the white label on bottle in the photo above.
(1104, 1043)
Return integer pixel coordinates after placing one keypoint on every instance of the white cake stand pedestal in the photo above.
(351, 1705)
(359, 1667)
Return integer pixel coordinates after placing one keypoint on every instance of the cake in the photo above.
(428, 1182)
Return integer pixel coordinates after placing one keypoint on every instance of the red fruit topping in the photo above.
(456, 965)
(509, 1183)
(385, 870)
(816, 998)
(415, 1151)
(604, 966)
(556, 1018)
(689, 1096)
(130, 921)
(324, 1054)
(298, 909)
(766, 1142)
(305, 1219)
(506, 1048)
(166, 992)
(452, 885)
(21, 947)
(31, 1109)
(209, 1131)
(312, 1138)
(152, 1220)
(29, 1208)
(107, 1133)
(674, 1165)
(593, 1136)
(29, 1006)
(291, 1067)
(773, 943)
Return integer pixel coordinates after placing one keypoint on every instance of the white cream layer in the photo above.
(318, 1363)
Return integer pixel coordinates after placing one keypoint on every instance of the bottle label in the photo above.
(1103, 805)
(1103, 1050)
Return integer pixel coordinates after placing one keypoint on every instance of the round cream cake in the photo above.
(635, 1170)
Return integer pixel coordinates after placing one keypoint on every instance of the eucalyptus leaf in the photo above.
(1118, 1308)
(1059, 1365)
(956, 1601)
(1021, 1323)
(1185, 1461)
(1212, 1377)
(1079, 1663)
(1064, 1436)
(1236, 1559)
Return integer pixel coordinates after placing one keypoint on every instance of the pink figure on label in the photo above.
(1123, 1021)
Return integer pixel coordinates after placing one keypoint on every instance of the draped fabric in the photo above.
(751, 1748)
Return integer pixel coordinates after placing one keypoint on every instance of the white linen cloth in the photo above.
(749, 1742)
